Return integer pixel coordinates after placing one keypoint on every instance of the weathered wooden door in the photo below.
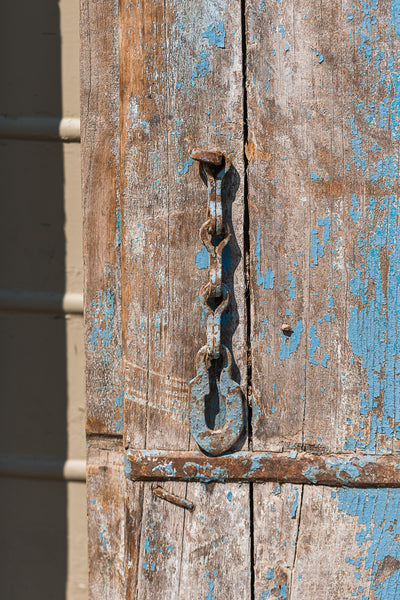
(303, 98)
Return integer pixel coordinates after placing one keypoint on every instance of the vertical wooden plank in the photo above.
(351, 400)
(318, 35)
(278, 509)
(319, 110)
(160, 547)
(340, 61)
(370, 372)
(106, 519)
(216, 543)
(279, 216)
(181, 88)
(355, 532)
(100, 172)
(324, 533)
(354, 230)
(164, 200)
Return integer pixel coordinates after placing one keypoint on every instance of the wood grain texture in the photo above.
(354, 532)
(106, 518)
(216, 559)
(323, 178)
(100, 191)
(168, 67)
(323, 168)
(160, 546)
(279, 225)
(326, 543)
(276, 516)
(181, 88)
(322, 152)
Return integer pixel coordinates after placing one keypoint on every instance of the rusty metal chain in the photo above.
(215, 235)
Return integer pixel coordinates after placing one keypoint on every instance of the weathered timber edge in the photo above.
(338, 470)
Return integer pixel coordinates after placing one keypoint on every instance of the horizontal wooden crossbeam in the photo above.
(338, 470)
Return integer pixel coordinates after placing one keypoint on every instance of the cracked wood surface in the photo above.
(322, 103)
(181, 88)
(100, 193)
(324, 247)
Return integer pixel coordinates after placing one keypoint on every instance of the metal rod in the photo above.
(46, 129)
(347, 470)
(177, 500)
(43, 468)
(41, 302)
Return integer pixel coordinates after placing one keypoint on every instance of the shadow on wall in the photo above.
(32, 346)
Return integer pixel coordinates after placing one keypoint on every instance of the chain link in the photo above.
(215, 235)
(214, 297)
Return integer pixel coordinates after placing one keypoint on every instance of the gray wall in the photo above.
(42, 512)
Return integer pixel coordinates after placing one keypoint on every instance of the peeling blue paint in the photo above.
(210, 595)
(315, 176)
(317, 249)
(262, 332)
(103, 310)
(312, 474)
(395, 14)
(103, 541)
(267, 280)
(372, 327)
(119, 425)
(319, 55)
(324, 361)
(292, 286)
(355, 214)
(166, 468)
(185, 168)
(202, 68)
(377, 511)
(270, 574)
(343, 468)
(294, 506)
(120, 398)
(202, 259)
(215, 35)
(127, 466)
(289, 349)
(315, 342)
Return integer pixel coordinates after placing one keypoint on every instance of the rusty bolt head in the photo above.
(286, 328)
(212, 157)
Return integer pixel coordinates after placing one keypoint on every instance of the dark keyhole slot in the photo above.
(213, 303)
(215, 409)
(216, 239)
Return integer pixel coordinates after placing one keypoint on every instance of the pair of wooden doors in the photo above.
(303, 97)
